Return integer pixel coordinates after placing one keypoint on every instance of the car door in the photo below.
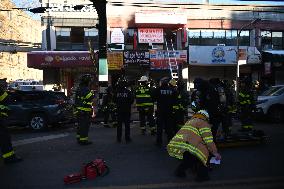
(18, 109)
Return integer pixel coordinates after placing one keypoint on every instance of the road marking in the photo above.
(250, 183)
(38, 139)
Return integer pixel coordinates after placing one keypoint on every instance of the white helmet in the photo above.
(143, 78)
(204, 113)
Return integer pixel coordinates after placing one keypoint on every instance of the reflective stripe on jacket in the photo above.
(143, 97)
(3, 108)
(195, 137)
(84, 103)
(245, 98)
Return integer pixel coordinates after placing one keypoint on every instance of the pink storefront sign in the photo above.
(58, 59)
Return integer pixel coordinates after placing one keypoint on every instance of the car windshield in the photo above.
(273, 91)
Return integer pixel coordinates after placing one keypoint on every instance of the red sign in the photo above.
(160, 59)
(58, 59)
(150, 35)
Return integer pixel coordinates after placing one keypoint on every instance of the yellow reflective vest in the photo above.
(195, 137)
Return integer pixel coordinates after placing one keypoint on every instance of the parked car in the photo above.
(271, 103)
(38, 109)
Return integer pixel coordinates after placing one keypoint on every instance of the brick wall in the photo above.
(18, 27)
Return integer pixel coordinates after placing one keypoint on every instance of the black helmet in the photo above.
(86, 79)
(122, 82)
(3, 84)
(164, 81)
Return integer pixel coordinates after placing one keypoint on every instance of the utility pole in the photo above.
(100, 6)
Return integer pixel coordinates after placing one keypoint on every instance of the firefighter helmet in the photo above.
(203, 113)
(86, 79)
(143, 78)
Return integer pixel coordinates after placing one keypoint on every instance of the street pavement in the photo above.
(51, 155)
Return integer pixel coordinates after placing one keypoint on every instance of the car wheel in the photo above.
(275, 114)
(38, 122)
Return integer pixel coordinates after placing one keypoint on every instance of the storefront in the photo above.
(220, 62)
(273, 63)
(61, 67)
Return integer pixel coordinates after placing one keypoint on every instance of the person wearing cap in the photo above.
(6, 147)
(84, 109)
(145, 105)
(193, 145)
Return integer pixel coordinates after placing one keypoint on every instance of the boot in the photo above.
(84, 143)
(12, 159)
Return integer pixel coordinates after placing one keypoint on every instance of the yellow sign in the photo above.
(115, 60)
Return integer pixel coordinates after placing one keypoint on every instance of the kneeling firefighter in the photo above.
(193, 144)
(84, 109)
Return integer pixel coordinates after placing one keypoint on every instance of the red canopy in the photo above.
(58, 59)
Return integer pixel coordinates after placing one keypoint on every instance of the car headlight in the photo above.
(261, 101)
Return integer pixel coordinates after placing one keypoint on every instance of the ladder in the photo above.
(172, 61)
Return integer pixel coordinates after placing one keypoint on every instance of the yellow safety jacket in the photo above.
(196, 138)
(3, 108)
(84, 103)
(143, 97)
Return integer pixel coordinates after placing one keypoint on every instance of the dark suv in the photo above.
(37, 109)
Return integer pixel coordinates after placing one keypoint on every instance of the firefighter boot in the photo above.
(12, 159)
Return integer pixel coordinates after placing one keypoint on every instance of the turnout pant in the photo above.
(83, 126)
(189, 161)
(123, 117)
(246, 117)
(5, 143)
(165, 121)
(146, 113)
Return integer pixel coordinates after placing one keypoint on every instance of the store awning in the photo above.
(58, 59)
(273, 56)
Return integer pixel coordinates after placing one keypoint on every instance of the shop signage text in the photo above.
(150, 35)
(140, 58)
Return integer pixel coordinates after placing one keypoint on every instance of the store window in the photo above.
(214, 37)
(63, 40)
(193, 37)
(272, 40)
(92, 35)
(231, 37)
(244, 39)
(129, 38)
(277, 40)
(77, 38)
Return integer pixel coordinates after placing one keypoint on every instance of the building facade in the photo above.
(156, 38)
(19, 34)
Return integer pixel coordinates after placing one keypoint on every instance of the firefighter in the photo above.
(123, 98)
(246, 104)
(145, 105)
(180, 108)
(109, 108)
(229, 108)
(7, 150)
(193, 144)
(84, 109)
(166, 98)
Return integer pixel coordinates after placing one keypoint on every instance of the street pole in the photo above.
(100, 6)
(238, 54)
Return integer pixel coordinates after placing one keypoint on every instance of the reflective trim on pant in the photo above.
(9, 154)
(83, 139)
(247, 126)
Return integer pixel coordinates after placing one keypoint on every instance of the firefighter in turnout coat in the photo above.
(6, 148)
(193, 144)
(84, 109)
